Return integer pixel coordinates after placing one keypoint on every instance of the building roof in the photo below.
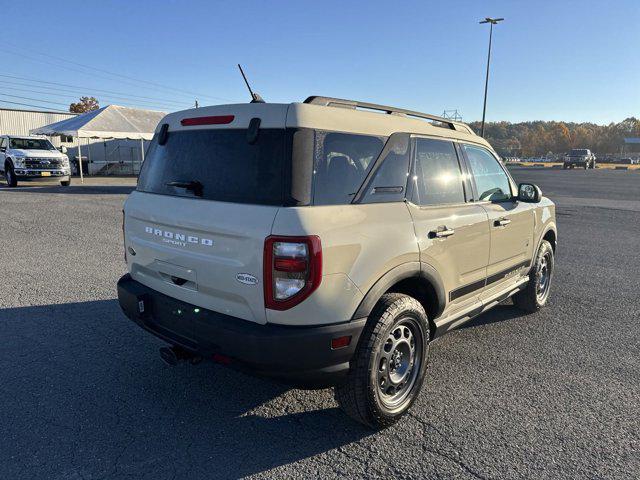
(112, 121)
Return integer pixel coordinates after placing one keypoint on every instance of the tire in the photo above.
(534, 296)
(10, 176)
(586, 166)
(564, 167)
(65, 183)
(390, 362)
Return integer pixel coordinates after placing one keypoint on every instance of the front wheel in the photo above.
(389, 365)
(65, 183)
(10, 176)
(534, 296)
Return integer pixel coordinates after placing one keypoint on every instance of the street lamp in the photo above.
(492, 22)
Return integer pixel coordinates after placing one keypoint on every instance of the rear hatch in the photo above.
(206, 200)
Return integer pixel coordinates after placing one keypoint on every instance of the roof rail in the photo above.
(353, 104)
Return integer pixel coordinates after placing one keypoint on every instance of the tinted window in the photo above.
(31, 144)
(437, 177)
(228, 167)
(389, 181)
(342, 161)
(491, 181)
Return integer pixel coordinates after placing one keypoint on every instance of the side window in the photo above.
(491, 181)
(390, 179)
(342, 161)
(436, 176)
(3, 144)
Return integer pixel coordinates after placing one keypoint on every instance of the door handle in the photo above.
(441, 232)
(502, 222)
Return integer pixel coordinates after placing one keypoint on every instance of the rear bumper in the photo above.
(301, 356)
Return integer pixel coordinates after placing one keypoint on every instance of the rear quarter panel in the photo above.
(360, 243)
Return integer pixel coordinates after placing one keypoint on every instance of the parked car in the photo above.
(324, 244)
(31, 158)
(580, 157)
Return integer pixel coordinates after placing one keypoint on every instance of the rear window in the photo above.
(341, 163)
(228, 167)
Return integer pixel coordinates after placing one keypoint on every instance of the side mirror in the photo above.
(63, 149)
(530, 193)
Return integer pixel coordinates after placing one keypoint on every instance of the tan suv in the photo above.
(327, 243)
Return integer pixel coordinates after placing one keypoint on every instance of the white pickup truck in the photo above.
(31, 158)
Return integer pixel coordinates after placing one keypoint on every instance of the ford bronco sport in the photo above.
(32, 158)
(327, 243)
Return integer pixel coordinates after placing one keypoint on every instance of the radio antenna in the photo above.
(255, 98)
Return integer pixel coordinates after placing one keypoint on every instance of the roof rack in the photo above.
(353, 104)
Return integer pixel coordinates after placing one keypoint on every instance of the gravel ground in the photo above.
(83, 394)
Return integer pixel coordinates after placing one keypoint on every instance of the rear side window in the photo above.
(389, 180)
(437, 177)
(228, 167)
(491, 181)
(341, 163)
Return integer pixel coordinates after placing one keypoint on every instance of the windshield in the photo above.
(31, 144)
(577, 152)
(217, 165)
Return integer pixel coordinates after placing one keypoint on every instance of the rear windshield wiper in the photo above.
(193, 185)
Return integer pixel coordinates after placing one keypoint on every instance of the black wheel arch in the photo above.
(416, 279)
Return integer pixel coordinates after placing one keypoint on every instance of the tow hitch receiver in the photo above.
(174, 355)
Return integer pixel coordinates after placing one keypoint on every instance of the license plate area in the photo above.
(45, 174)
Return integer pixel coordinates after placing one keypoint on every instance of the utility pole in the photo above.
(491, 22)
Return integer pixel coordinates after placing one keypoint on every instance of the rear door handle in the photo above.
(441, 232)
(502, 222)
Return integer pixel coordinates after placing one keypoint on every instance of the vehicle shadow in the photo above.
(500, 313)
(84, 394)
(72, 189)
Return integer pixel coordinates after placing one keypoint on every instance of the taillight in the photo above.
(123, 242)
(292, 270)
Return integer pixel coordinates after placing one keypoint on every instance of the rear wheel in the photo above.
(535, 294)
(10, 176)
(389, 365)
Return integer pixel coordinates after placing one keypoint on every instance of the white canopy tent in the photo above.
(112, 121)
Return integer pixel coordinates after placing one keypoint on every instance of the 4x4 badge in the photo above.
(246, 279)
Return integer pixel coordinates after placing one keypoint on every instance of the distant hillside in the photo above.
(528, 139)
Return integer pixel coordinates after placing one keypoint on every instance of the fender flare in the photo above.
(422, 271)
(550, 227)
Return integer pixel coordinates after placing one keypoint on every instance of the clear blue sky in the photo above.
(573, 60)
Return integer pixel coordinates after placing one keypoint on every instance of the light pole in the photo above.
(492, 22)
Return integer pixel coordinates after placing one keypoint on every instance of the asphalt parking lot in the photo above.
(84, 395)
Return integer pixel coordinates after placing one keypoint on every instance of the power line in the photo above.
(35, 106)
(34, 99)
(107, 99)
(83, 89)
(130, 79)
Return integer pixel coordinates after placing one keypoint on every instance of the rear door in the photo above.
(452, 233)
(511, 222)
(206, 200)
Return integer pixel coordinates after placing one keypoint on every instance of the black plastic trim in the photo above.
(298, 355)
(420, 271)
(472, 287)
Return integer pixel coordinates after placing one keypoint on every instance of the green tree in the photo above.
(86, 104)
